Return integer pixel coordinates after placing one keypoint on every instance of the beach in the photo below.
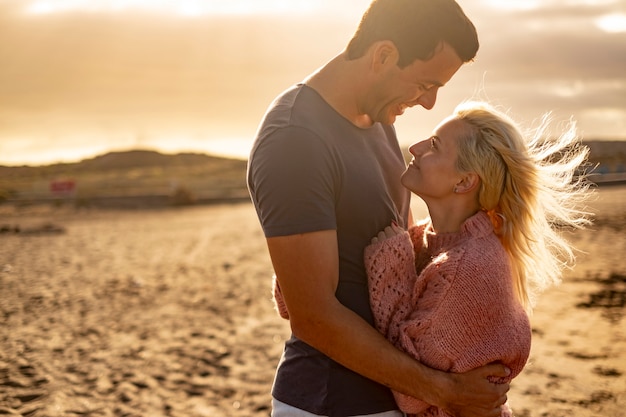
(168, 312)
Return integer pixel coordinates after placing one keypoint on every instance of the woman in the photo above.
(455, 290)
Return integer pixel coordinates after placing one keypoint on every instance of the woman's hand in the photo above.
(389, 232)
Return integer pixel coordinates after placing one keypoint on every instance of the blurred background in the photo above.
(79, 78)
(137, 312)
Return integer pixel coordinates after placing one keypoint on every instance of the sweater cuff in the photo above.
(279, 301)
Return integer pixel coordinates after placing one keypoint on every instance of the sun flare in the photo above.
(514, 5)
(179, 7)
(612, 23)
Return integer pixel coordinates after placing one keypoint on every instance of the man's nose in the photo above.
(428, 99)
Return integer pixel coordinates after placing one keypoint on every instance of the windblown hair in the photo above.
(531, 187)
(417, 28)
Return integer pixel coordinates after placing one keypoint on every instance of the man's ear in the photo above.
(384, 53)
(469, 182)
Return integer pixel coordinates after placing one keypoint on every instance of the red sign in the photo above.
(62, 187)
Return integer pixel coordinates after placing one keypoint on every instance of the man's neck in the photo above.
(339, 84)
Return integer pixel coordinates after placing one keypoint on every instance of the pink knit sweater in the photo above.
(459, 313)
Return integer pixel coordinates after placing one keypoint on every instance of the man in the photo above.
(324, 177)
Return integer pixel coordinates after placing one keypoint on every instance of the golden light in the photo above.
(612, 23)
(514, 4)
(178, 7)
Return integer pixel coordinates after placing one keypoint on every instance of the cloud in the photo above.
(193, 8)
(188, 8)
(592, 54)
(555, 49)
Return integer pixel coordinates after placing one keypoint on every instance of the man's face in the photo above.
(416, 84)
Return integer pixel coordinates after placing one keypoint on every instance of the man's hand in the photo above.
(470, 394)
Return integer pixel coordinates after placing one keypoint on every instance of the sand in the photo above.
(168, 313)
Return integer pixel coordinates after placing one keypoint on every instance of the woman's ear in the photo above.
(469, 182)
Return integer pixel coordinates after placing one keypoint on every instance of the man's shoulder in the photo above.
(296, 97)
(301, 112)
(288, 97)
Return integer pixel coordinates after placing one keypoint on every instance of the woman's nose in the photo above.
(415, 149)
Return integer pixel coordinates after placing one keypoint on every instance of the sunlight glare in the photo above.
(568, 89)
(526, 5)
(187, 8)
(515, 4)
(228, 147)
(612, 23)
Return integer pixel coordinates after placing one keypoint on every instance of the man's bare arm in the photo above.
(307, 267)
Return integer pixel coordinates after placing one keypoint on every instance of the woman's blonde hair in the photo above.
(531, 187)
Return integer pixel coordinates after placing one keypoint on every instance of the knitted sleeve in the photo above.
(479, 321)
(416, 233)
(279, 301)
(390, 267)
(391, 274)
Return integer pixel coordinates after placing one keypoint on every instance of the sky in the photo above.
(79, 78)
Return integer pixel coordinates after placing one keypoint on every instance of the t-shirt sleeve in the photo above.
(292, 180)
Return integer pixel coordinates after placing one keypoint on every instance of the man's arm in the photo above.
(307, 266)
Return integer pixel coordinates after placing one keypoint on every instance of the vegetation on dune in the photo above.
(179, 179)
(150, 178)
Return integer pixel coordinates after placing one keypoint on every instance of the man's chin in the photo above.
(391, 119)
(393, 115)
(387, 119)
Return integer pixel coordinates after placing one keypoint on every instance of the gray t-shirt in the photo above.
(311, 169)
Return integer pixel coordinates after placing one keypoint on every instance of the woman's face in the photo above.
(432, 173)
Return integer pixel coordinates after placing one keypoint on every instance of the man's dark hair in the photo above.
(417, 28)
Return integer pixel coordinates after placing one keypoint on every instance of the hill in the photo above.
(609, 155)
(132, 178)
(144, 178)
